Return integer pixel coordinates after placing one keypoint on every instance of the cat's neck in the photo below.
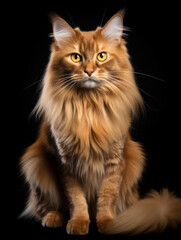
(93, 122)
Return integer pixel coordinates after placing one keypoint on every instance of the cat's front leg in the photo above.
(79, 217)
(109, 192)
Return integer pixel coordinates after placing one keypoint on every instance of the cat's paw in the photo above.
(77, 226)
(53, 219)
(103, 223)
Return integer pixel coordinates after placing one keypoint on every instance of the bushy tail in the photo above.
(154, 213)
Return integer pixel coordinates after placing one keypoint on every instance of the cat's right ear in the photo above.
(61, 30)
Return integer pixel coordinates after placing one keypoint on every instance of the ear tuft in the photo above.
(61, 30)
(113, 29)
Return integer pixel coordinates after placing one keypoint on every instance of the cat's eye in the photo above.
(101, 57)
(75, 57)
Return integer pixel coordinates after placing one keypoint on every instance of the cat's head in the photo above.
(89, 60)
(89, 66)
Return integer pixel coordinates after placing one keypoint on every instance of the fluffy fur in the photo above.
(84, 164)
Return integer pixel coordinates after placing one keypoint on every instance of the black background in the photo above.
(153, 47)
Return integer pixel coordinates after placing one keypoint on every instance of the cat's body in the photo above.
(84, 163)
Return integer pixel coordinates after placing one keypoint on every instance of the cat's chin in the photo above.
(89, 83)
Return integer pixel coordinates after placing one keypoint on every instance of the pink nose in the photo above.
(89, 71)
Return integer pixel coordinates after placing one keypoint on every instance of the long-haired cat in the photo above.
(84, 164)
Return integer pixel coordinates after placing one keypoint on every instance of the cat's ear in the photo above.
(61, 29)
(113, 29)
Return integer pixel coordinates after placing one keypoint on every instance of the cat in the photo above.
(84, 164)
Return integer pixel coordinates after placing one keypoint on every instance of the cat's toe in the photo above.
(77, 226)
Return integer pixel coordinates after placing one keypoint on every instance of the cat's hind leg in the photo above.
(42, 174)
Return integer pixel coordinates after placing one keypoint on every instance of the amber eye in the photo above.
(101, 57)
(75, 57)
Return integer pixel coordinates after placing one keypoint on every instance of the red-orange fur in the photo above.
(84, 163)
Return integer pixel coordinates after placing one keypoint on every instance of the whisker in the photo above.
(143, 74)
(65, 85)
(132, 85)
(70, 86)
(110, 83)
(103, 17)
(121, 93)
(121, 82)
(137, 87)
(63, 81)
(31, 85)
(74, 25)
(64, 76)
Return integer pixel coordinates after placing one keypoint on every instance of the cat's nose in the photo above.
(89, 71)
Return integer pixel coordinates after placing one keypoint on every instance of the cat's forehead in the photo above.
(88, 41)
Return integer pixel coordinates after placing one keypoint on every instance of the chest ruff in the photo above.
(87, 129)
(86, 134)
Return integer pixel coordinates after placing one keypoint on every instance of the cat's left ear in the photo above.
(113, 29)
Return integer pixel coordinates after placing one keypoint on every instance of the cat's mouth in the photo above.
(89, 83)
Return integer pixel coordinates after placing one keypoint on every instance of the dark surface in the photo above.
(152, 44)
(30, 230)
